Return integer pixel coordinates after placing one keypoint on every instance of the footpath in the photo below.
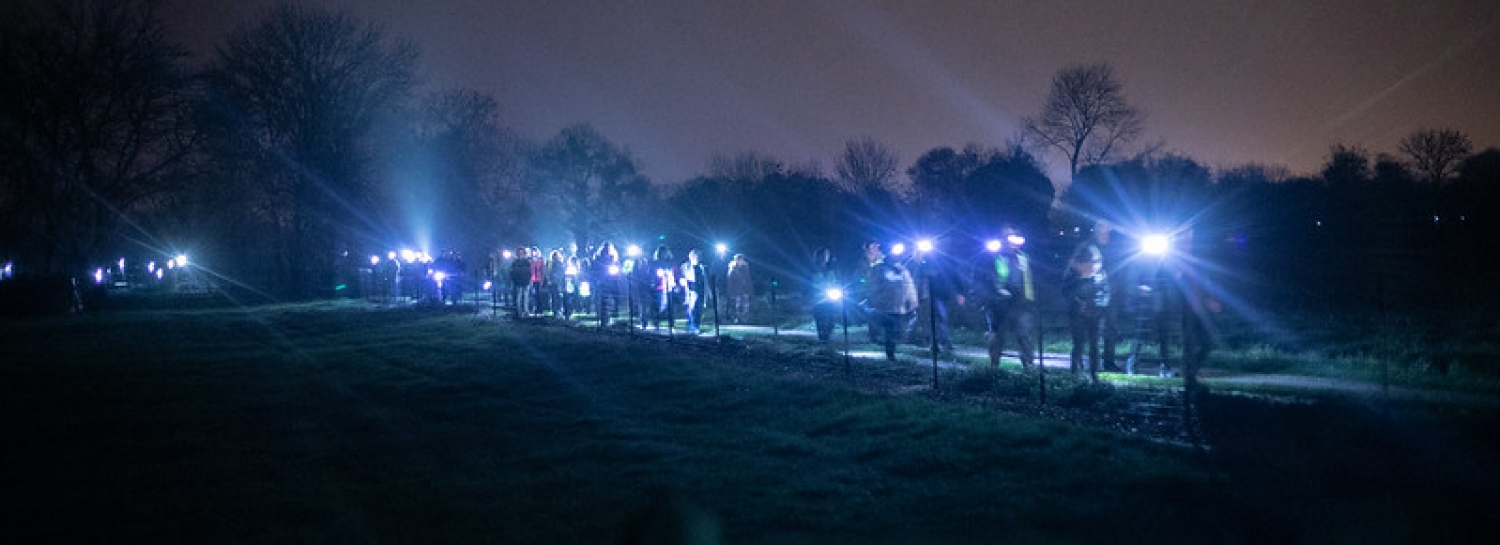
(1287, 387)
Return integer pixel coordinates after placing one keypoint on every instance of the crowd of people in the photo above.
(653, 290)
(891, 294)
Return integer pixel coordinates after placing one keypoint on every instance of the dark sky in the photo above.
(677, 81)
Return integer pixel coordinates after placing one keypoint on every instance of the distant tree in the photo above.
(1144, 193)
(1086, 116)
(1347, 166)
(867, 163)
(95, 128)
(747, 165)
(1436, 153)
(976, 190)
(299, 101)
(475, 171)
(938, 176)
(587, 183)
(1008, 188)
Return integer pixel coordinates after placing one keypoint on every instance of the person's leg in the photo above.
(1078, 332)
(994, 323)
(1024, 329)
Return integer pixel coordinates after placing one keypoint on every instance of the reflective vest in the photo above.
(1002, 272)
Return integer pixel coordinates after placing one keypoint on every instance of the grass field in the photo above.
(338, 422)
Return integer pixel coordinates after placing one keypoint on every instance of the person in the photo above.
(1086, 293)
(1197, 307)
(1004, 286)
(450, 287)
(572, 285)
(824, 276)
(606, 267)
(520, 282)
(741, 288)
(538, 279)
(657, 283)
(693, 279)
(871, 256)
(556, 275)
(944, 286)
(1114, 255)
(1147, 310)
(892, 299)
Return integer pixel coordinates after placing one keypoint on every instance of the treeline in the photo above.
(306, 142)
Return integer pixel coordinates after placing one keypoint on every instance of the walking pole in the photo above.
(844, 310)
(713, 288)
(775, 322)
(1041, 366)
(932, 332)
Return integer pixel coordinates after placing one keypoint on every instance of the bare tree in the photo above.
(1086, 116)
(744, 166)
(479, 166)
(867, 163)
(589, 183)
(300, 97)
(1436, 154)
(95, 127)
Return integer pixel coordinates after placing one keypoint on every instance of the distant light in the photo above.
(721, 249)
(898, 248)
(7, 271)
(507, 254)
(1156, 244)
(487, 285)
(924, 246)
(1015, 240)
(374, 260)
(583, 289)
(409, 256)
(614, 270)
(993, 245)
(122, 265)
(98, 276)
(150, 267)
(834, 294)
(633, 250)
(571, 270)
(181, 260)
(439, 277)
(159, 273)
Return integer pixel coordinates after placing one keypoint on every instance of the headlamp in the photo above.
(1156, 245)
(993, 245)
(834, 294)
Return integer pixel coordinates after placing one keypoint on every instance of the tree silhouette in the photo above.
(475, 172)
(300, 99)
(866, 162)
(95, 128)
(1086, 116)
(1436, 154)
(586, 184)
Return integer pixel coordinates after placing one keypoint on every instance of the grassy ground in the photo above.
(342, 423)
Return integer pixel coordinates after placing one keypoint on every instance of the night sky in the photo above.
(678, 81)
